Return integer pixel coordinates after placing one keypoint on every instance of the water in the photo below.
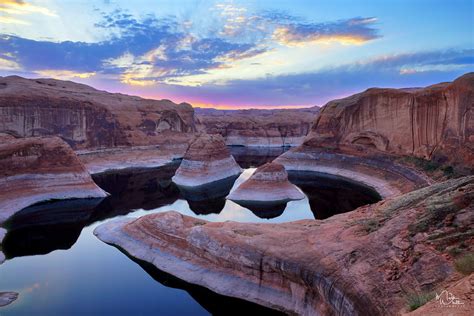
(60, 268)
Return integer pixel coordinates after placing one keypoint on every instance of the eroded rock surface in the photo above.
(269, 128)
(430, 123)
(6, 298)
(207, 160)
(269, 183)
(38, 169)
(356, 263)
(88, 118)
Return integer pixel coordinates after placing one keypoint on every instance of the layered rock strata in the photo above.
(88, 118)
(255, 128)
(38, 169)
(358, 263)
(430, 123)
(378, 172)
(269, 183)
(137, 157)
(207, 160)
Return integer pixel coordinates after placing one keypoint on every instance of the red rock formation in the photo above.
(269, 183)
(41, 168)
(276, 128)
(86, 117)
(431, 123)
(206, 160)
(357, 263)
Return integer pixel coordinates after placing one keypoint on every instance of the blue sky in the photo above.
(238, 53)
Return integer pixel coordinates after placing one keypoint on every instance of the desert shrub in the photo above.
(465, 264)
(416, 300)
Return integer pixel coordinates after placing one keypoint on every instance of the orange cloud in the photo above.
(64, 74)
(20, 7)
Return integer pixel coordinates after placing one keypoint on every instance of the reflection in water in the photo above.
(264, 209)
(45, 227)
(253, 157)
(92, 272)
(329, 195)
(208, 198)
(136, 189)
(214, 303)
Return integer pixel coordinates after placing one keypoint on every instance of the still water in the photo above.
(60, 268)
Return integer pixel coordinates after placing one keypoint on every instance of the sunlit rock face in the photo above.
(350, 264)
(41, 168)
(431, 123)
(88, 118)
(207, 160)
(269, 128)
(268, 184)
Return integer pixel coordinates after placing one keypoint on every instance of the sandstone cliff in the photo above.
(37, 169)
(85, 117)
(275, 128)
(434, 123)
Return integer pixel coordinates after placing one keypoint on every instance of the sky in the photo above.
(238, 54)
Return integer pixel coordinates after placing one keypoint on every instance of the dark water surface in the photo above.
(60, 268)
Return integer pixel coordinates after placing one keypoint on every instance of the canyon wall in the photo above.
(88, 118)
(254, 127)
(434, 123)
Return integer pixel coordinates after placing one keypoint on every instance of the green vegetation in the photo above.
(369, 225)
(416, 300)
(430, 166)
(465, 264)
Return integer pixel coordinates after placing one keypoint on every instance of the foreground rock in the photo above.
(207, 160)
(269, 183)
(358, 263)
(88, 118)
(7, 298)
(463, 305)
(39, 169)
(254, 127)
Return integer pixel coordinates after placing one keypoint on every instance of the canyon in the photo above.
(398, 142)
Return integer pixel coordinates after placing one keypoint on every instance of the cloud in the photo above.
(64, 74)
(20, 7)
(316, 88)
(352, 31)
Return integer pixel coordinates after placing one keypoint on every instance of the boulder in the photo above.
(269, 183)
(207, 160)
(39, 169)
